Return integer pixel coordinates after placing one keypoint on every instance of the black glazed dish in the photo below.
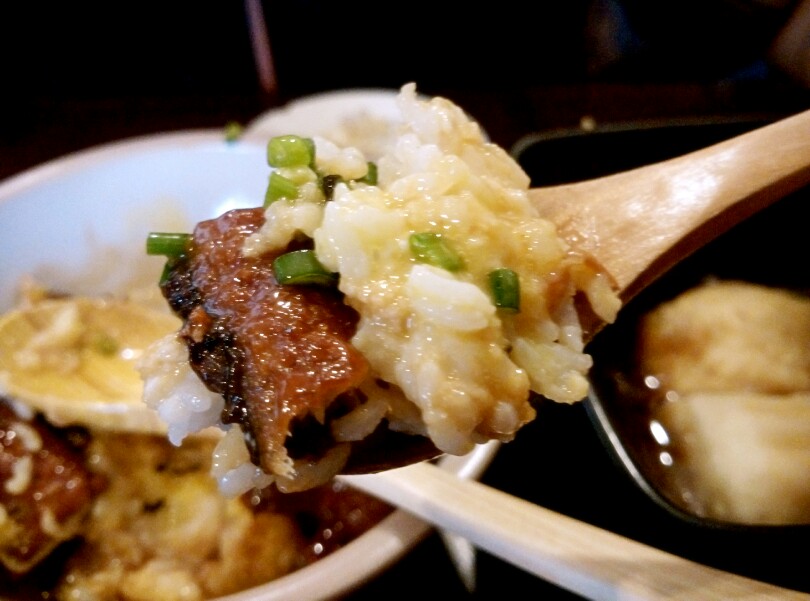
(763, 250)
(570, 467)
(570, 155)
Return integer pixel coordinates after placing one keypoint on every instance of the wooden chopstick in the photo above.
(571, 554)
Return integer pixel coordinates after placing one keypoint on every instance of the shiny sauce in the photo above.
(280, 355)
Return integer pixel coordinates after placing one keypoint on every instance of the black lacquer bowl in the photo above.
(579, 459)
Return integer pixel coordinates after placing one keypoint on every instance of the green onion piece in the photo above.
(279, 187)
(290, 151)
(432, 248)
(104, 344)
(370, 177)
(233, 131)
(302, 267)
(171, 245)
(505, 287)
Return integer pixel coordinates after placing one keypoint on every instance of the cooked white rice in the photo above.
(458, 370)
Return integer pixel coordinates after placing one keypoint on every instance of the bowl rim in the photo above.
(76, 161)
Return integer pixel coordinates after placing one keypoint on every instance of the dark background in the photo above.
(75, 74)
(78, 74)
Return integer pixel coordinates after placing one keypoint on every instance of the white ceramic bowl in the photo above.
(322, 113)
(79, 224)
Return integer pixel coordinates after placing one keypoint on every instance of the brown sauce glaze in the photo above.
(45, 489)
(280, 355)
(154, 496)
(328, 517)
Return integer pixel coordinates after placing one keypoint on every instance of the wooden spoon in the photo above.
(639, 223)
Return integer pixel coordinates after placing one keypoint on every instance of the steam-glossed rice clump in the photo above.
(443, 302)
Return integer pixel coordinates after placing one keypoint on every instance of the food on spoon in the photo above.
(98, 506)
(421, 294)
(731, 363)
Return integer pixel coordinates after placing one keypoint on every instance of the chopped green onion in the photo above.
(370, 177)
(290, 151)
(171, 245)
(433, 249)
(302, 267)
(505, 287)
(104, 344)
(279, 187)
(233, 131)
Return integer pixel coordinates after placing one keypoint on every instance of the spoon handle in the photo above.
(574, 555)
(638, 223)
